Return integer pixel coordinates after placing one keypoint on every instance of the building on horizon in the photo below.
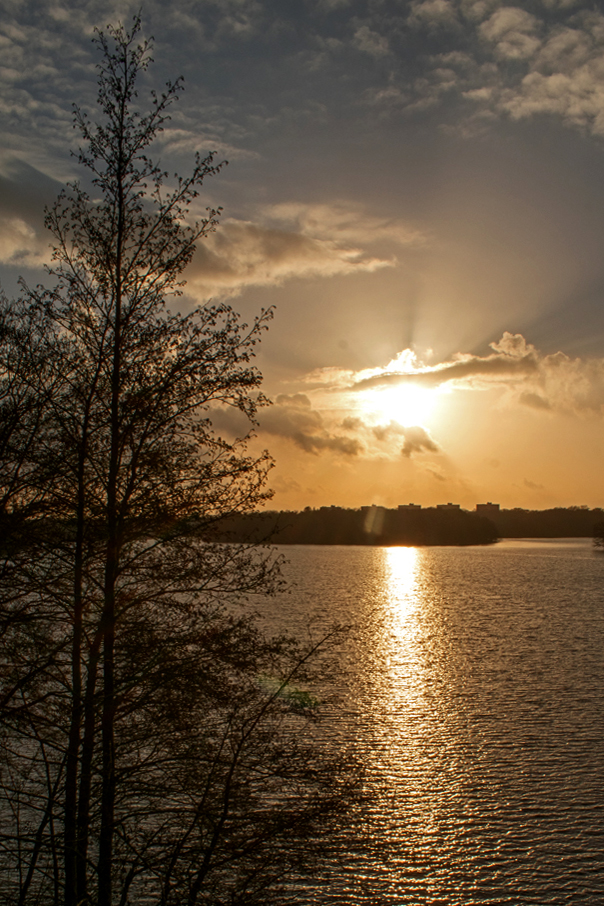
(448, 506)
(409, 506)
(487, 509)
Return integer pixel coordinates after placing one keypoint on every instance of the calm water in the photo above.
(473, 688)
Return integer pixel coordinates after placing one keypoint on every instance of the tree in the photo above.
(139, 740)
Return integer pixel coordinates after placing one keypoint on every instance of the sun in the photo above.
(406, 404)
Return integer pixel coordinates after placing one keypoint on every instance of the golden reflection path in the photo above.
(402, 605)
(397, 664)
(402, 566)
(405, 707)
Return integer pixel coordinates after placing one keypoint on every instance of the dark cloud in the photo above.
(417, 440)
(230, 422)
(297, 400)
(24, 192)
(534, 401)
(243, 254)
(387, 432)
(434, 14)
(293, 418)
(351, 423)
(436, 474)
(505, 362)
(316, 443)
(532, 485)
(284, 485)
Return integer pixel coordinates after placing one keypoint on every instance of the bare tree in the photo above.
(144, 757)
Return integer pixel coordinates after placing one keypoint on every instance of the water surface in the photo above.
(473, 690)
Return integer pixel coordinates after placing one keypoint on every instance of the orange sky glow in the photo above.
(415, 188)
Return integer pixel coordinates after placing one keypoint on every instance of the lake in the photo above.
(472, 687)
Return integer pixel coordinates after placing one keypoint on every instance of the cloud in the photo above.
(477, 10)
(572, 386)
(47, 61)
(546, 383)
(294, 400)
(532, 485)
(433, 13)
(283, 485)
(293, 418)
(343, 223)
(565, 50)
(511, 62)
(332, 4)
(243, 254)
(371, 42)
(20, 245)
(188, 141)
(292, 240)
(386, 432)
(24, 240)
(534, 401)
(512, 31)
(512, 358)
(577, 96)
(417, 440)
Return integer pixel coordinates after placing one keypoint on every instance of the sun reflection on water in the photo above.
(401, 764)
(397, 640)
(402, 567)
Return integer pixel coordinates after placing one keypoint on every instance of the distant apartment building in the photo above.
(448, 506)
(409, 506)
(487, 509)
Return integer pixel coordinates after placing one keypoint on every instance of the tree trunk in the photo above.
(83, 830)
(111, 568)
(73, 748)
(108, 627)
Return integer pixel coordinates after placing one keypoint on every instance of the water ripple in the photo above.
(473, 690)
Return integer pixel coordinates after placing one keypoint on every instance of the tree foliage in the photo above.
(144, 758)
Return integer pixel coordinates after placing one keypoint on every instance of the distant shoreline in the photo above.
(418, 526)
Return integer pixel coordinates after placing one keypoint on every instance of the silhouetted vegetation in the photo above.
(369, 525)
(420, 526)
(559, 522)
(154, 745)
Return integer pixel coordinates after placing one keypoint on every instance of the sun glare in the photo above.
(407, 405)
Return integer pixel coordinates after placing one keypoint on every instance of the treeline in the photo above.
(369, 525)
(559, 522)
(425, 526)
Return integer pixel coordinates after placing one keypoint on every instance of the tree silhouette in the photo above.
(144, 760)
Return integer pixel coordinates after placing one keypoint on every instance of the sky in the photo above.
(417, 188)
